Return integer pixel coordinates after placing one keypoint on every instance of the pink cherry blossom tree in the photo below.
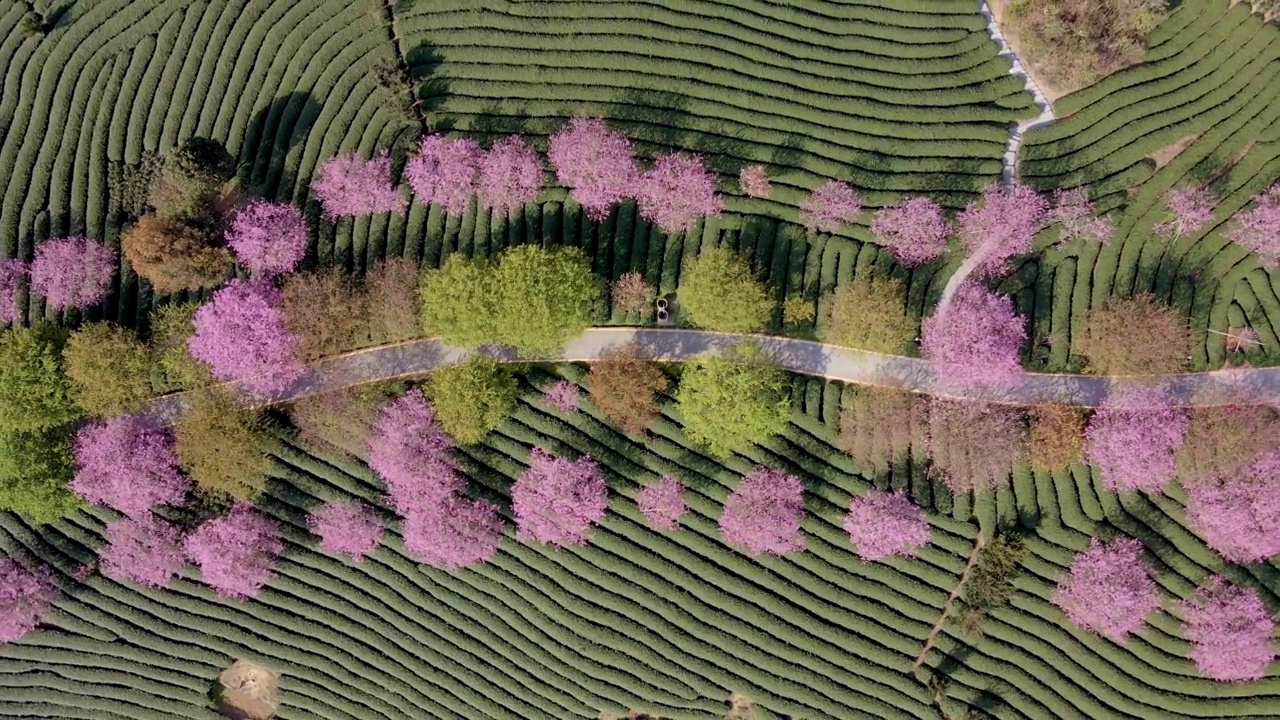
(831, 206)
(144, 550)
(914, 229)
(1230, 630)
(237, 552)
(1108, 589)
(72, 272)
(557, 500)
(762, 515)
(1256, 230)
(1240, 516)
(346, 528)
(268, 238)
(411, 453)
(662, 503)
(510, 175)
(127, 463)
(883, 524)
(26, 594)
(975, 340)
(242, 336)
(999, 225)
(677, 190)
(12, 274)
(1073, 213)
(1131, 441)
(1189, 210)
(347, 185)
(595, 162)
(453, 534)
(754, 181)
(444, 172)
(563, 396)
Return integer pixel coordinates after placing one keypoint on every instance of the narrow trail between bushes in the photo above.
(1259, 386)
(978, 544)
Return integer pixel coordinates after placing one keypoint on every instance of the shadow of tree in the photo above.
(272, 133)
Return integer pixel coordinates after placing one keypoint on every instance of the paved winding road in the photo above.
(386, 362)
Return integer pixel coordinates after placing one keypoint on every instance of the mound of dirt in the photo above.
(247, 691)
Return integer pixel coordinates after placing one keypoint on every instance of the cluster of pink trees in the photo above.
(677, 190)
(1230, 630)
(510, 175)
(1189, 209)
(12, 275)
(557, 500)
(1240, 516)
(882, 525)
(145, 550)
(829, 207)
(346, 528)
(26, 594)
(754, 181)
(347, 185)
(1256, 230)
(127, 463)
(762, 515)
(595, 162)
(236, 552)
(914, 229)
(1000, 225)
(72, 272)
(662, 503)
(444, 172)
(268, 238)
(411, 454)
(242, 336)
(1108, 589)
(1132, 439)
(563, 396)
(1073, 213)
(977, 337)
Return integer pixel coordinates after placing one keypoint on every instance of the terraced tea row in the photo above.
(636, 618)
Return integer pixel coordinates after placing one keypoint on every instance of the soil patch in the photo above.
(247, 691)
(1051, 91)
(1167, 153)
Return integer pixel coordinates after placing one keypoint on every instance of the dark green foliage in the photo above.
(108, 368)
(471, 398)
(990, 584)
(34, 392)
(190, 178)
(35, 468)
(734, 399)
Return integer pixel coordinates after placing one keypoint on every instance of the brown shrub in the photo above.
(1134, 336)
(392, 301)
(974, 446)
(174, 255)
(326, 311)
(1223, 441)
(622, 384)
(1057, 436)
(1073, 43)
(633, 298)
(870, 315)
(341, 419)
(878, 425)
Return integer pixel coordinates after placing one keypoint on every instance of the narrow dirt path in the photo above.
(978, 543)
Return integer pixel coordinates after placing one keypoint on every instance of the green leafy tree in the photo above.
(870, 314)
(172, 367)
(223, 446)
(457, 302)
(34, 393)
(718, 292)
(108, 368)
(35, 468)
(732, 400)
(190, 179)
(471, 398)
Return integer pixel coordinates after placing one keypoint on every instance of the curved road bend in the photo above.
(1259, 386)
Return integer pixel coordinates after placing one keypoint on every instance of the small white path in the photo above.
(1260, 386)
(1010, 164)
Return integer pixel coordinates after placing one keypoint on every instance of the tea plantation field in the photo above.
(894, 96)
(667, 622)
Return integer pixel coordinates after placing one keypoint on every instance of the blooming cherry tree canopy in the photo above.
(1256, 229)
(913, 229)
(455, 533)
(557, 500)
(127, 463)
(1073, 213)
(510, 175)
(445, 171)
(1132, 440)
(662, 503)
(882, 524)
(347, 185)
(72, 272)
(1108, 589)
(26, 594)
(677, 190)
(236, 552)
(346, 528)
(830, 207)
(595, 162)
(754, 181)
(242, 336)
(268, 238)
(12, 275)
(1190, 210)
(1230, 630)
(762, 515)
(1240, 516)
(975, 340)
(411, 453)
(144, 550)
(563, 396)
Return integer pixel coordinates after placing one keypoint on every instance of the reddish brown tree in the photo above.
(325, 311)
(1057, 436)
(1134, 336)
(342, 419)
(174, 255)
(1223, 441)
(878, 425)
(622, 384)
(392, 301)
(975, 446)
